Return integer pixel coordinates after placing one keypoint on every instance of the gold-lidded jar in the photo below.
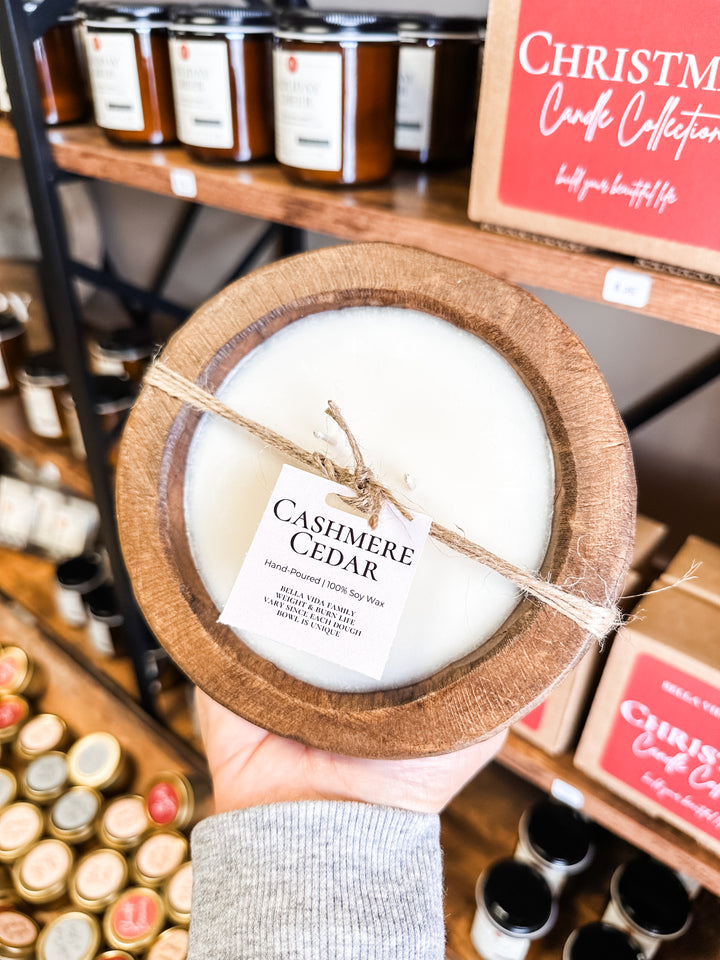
(13, 339)
(98, 879)
(14, 713)
(97, 760)
(134, 921)
(221, 60)
(124, 823)
(129, 70)
(72, 818)
(170, 801)
(158, 857)
(178, 895)
(438, 78)
(19, 673)
(335, 83)
(18, 935)
(71, 936)
(42, 875)
(41, 734)
(21, 826)
(8, 787)
(45, 778)
(172, 944)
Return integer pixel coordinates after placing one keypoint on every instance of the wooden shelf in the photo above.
(419, 209)
(16, 437)
(480, 826)
(673, 847)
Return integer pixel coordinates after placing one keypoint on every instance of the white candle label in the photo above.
(112, 63)
(201, 86)
(308, 109)
(416, 73)
(319, 579)
(627, 287)
(41, 410)
(64, 526)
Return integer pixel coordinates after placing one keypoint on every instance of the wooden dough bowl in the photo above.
(592, 531)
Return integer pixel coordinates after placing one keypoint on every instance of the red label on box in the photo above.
(614, 116)
(533, 720)
(665, 742)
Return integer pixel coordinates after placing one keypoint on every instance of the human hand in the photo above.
(250, 767)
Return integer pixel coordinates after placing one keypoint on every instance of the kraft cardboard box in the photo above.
(653, 733)
(553, 725)
(599, 124)
(706, 580)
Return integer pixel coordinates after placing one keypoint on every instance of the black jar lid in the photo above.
(428, 25)
(653, 896)
(601, 941)
(129, 343)
(517, 897)
(558, 834)
(238, 13)
(105, 9)
(80, 572)
(10, 326)
(336, 25)
(102, 604)
(44, 369)
(113, 393)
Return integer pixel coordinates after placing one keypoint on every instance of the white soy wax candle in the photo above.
(441, 418)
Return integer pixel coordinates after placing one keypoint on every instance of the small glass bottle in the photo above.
(514, 907)
(74, 580)
(335, 82)
(601, 941)
(220, 56)
(649, 901)
(106, 624)
(41, 876)
(97, 760)
(71, 936)
(14, 712)
(21, 826)
(20, 674)
(172, 944)
(45, 778)
(437, 89)
(113, 398)
(158, 857)
(18, 935)
(169, 801)
(134, 921)
(129, 69)
(124, 823)
(43, 733)
(73, 816)
(555, 839)
(178, 895)
(98, 879)
(13, 340)
(42, 383)
(123, 353)
(57, 65)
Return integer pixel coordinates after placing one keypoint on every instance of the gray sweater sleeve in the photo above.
(317, 880)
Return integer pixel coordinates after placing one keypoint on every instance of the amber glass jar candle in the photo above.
(437, 89)
(12, 341)
(121, 353)
(60, 78)
(221, 59)
(335, 77)
(42, 382)
(113, 398)
(129, 70)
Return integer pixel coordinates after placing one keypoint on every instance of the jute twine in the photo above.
(370, 495)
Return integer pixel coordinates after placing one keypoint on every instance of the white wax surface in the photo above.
(424, 399)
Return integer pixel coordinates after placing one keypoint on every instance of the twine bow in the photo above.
(370, 496)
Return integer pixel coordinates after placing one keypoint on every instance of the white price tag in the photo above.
(567, 793)
(183, 183)
(319, 579)
(627, 287)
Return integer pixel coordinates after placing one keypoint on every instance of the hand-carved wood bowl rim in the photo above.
(592, 531)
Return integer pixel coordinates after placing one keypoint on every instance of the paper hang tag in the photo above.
(319, 579)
